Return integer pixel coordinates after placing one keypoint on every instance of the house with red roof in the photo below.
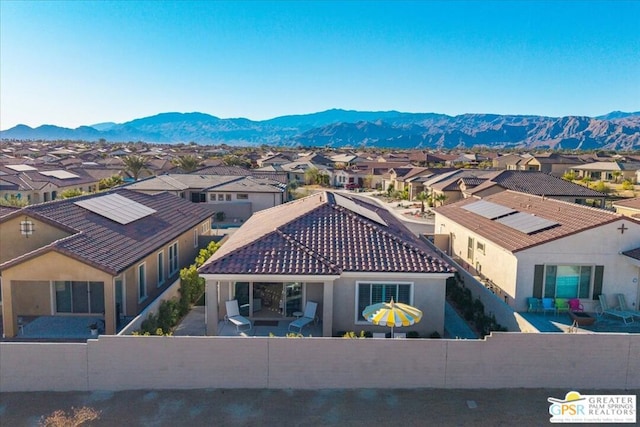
(105, 255)
(337, 250)
(535, 246)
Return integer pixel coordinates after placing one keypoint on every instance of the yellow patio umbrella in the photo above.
(392, 314)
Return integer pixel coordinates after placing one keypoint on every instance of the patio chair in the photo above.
(534, 305)
(622, 306)
(604, 308)
(547, 305)
(562, 305)
(308, 317)
(233, 316)
(575, 305)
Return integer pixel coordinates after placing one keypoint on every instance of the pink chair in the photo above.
(574, 305)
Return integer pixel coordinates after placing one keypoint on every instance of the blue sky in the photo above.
(78, 63)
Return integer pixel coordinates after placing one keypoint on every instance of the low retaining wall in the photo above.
(172, 291)
(502, 360)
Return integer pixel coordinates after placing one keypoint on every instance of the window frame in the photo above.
(546, 284)
(358, 313)
(160, 268)
(242, 196)
(142, 282)
(173, 247)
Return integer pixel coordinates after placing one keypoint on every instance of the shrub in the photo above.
(627, 185)
(413, 334)
(434, 334)
(76, 417)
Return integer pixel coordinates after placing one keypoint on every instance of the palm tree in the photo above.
(422, 196)
(440, 197)
(187, 163)
(135, 164)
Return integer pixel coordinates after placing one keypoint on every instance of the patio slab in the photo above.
(58, 327)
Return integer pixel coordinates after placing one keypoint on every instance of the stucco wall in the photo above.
(514, 272)
(503, 360)
(14, 244)
(598, 246)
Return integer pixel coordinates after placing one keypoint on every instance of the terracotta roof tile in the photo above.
(108, 245)
(317, 236)
(571, 218)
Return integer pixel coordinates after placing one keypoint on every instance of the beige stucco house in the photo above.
(338, 251)
(107, 255)
(235, 197)
(532, 246)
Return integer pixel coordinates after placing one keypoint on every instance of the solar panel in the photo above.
(116, 208)
(488, 210)
(355, 208)
(21, 168)
(60, 174)
(526, 222)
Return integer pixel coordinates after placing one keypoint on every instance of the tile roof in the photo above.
(110, 246)
(628, 203)
(571, 218)
(238, 171)
(538, 183)
(318, 235)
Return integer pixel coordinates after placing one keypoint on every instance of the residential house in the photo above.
(550, 163)
(234, 198)
(628, 207)
(537, 183)
(608, 171)
(533, 246)
(338, 251)
(36, 185)
(107, 254)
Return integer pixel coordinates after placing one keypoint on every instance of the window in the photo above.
(79, 297)
(160, 268)
(173, 258)
(242, 196)
(195, 237)
(205, 227)
(567, 281)
(142, 282)
(212, 197)
(220, 197)
(470, 248)
(227, 197)
(26, 228)
(373, 293)
(480, 247)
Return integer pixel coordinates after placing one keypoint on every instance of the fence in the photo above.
(502, 360)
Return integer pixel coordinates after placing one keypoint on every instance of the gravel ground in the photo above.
(366, 407)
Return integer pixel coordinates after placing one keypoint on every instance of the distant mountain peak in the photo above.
(339, 128)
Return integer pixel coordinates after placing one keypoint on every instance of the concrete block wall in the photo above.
(503, 360)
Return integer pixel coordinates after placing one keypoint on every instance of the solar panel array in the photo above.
(526, 222)
(355, 208)
(488, 210)
(116, 208)
(21, 168)
(60, 174)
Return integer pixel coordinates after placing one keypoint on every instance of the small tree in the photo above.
(422, 196)
(569, 176)
(602, 187)
(627, 185)
(135, 165)
(67, 194)
(440, 197)
(187, 163)
(113, 181)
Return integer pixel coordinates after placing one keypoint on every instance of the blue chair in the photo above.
(535, 305)
(547, 305)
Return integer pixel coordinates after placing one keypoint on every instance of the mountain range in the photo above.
(617, 130)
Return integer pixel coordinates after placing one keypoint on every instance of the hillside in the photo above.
(341, 128)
